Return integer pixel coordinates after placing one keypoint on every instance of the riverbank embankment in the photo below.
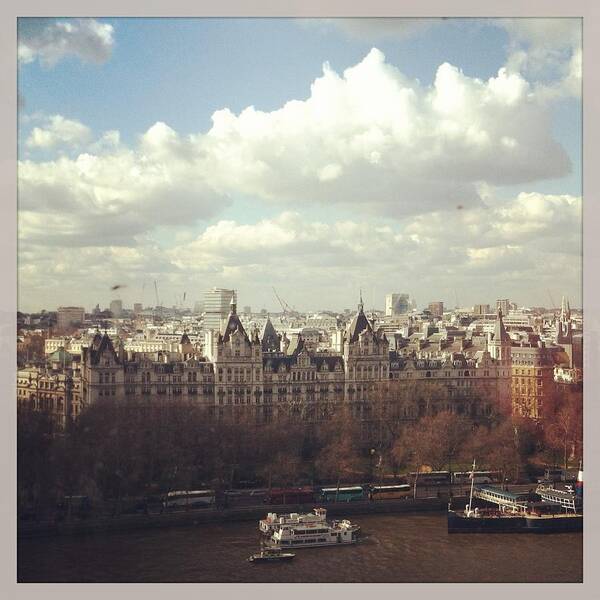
(123, 523)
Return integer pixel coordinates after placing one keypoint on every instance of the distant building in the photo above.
(247, 310)
(436, 309)
(503, 305)
(216, 307)
(116, 308)
(396, 304)
(69, 316)
(137, 308)
(482, 309)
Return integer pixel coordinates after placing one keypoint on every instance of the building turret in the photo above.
(500, 344)
(564, 330)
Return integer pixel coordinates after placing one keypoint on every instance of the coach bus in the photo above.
(342, 494)
(431, 478)
(478, 477)
(299, 495)
(189, 499)
(389, 492)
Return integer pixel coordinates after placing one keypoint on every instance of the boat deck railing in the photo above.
(502, 498)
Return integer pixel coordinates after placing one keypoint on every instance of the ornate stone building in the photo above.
(263, 377)
(54, 388)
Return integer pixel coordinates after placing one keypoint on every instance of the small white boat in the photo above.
(271, 555)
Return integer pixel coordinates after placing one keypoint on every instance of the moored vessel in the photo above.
(552, 511)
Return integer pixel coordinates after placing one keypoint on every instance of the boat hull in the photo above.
(315, 545)
(458, 523)
(554, 524)
(261, 559)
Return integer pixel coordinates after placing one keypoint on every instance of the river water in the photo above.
(394, 548)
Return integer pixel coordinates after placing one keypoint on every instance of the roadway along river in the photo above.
(394, 548)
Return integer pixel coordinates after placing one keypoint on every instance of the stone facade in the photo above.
(53, 392)
(264, 377)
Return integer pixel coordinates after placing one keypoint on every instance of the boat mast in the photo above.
(472, 482)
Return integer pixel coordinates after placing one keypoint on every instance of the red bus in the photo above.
(298, 495)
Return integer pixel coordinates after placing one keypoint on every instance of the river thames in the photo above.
(397, 548)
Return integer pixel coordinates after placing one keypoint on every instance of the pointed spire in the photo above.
(360, 302)
(233, 305)
(500, 334)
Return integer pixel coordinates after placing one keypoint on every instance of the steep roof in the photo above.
(296, 345)
(358, 324)
(105, 345)
(269, 338)
(500, 334)
(233, 324)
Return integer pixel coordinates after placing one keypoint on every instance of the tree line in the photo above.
(113, 452)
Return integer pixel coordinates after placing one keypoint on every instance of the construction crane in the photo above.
(284, 305)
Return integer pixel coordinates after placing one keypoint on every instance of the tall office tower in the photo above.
(67, 316)
(396, 304)
(217, 303)
(436, 309)
(137, 308)
(116, 308)
(503, 305)
(481, 309)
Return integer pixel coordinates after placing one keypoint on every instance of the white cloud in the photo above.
(396, 157)
(548, 52)
(515, 236)
(49, 40)
(374, 138)
(59, 131)
(114, 196)
(532, 237)
(369, 138)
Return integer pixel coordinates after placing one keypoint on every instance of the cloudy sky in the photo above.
(441, 158)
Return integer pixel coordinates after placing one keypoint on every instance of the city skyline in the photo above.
(337, 154)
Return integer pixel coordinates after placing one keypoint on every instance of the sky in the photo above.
(435, 157)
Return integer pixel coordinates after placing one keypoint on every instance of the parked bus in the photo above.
(464, 477)
(189, 499)
(431, 478)
(388, 492)
(343, 494)
(555, 475)
(299, 495)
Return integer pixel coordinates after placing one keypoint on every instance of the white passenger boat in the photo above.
(273, 520)
(307, 535)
